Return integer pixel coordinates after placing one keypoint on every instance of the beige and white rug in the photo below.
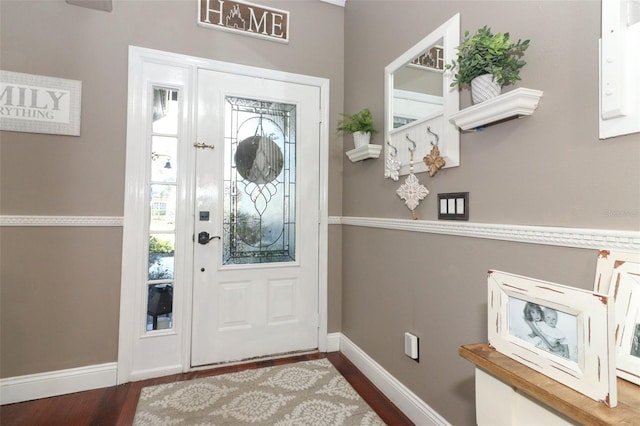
(305, 393)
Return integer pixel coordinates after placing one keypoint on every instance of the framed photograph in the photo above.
(607, 261)
(625, 292)
(560, 331)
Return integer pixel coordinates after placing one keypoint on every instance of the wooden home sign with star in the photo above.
(245, 18)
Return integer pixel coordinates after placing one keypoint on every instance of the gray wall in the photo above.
(61, 286)
(547, 169)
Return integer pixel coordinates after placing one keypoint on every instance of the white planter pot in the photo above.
(484, 88)
(361, 139)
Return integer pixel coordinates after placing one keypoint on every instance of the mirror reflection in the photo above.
(417, 87)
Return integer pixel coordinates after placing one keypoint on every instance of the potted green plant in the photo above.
(360, 125)
(487, 59)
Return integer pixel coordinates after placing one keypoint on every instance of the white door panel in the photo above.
(255, 288)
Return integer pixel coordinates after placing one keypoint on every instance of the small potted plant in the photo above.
(486, 62)
(360, 125)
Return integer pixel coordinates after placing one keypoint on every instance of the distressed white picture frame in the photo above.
(625, 292)
(39, 104)
(608, 260)
(591, 371)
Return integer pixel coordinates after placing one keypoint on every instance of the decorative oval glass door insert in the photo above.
(259, 182)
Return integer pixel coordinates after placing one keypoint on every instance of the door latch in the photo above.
(204, 238)
(203, 145)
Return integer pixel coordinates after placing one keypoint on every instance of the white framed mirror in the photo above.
(419, 100)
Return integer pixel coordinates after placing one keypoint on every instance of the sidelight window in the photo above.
(162, 190)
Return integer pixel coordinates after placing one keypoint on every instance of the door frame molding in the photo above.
(134, 348)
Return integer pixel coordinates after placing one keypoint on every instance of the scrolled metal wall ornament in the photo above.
(411, 190)
(392, 165)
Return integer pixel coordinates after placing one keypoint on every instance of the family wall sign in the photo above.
(39, 104)
(245, 18)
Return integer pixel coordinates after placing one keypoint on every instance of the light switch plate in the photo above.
(453, 206)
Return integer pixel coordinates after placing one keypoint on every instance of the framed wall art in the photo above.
(625, 292)
(560, 331)
(39, 104)
(245, 18)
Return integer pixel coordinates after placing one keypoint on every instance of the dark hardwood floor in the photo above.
(116, 405)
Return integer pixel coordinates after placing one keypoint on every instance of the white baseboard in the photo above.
(333, 342)
(413, 407)
(152, 373)
(52, 383)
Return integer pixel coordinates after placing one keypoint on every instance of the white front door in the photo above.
(255, 286)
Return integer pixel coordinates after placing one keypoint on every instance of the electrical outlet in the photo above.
(411, 346)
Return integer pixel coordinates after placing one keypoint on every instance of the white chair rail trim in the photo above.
(557, 236)
(17, 220)
(547, 235)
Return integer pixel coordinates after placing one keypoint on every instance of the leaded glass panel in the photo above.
(259, 181)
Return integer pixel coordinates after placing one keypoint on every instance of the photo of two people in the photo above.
(544, 327)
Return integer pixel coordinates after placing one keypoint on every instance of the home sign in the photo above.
(433, 59)
(39, 104)
(245, 18)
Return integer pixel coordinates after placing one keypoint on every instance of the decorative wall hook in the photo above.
(434, 134)
(412, 141)
(392, 165)
(433, 160)
(395, 150)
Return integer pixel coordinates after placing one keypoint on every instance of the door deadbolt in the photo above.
(204, 238)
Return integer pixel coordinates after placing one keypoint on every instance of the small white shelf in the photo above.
(364, 152)
(514, 104)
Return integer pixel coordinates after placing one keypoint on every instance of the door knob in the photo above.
(204, 238)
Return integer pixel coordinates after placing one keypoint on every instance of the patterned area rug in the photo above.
(305, 393)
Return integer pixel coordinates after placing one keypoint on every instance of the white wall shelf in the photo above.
(364, 152)
(514, 104)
